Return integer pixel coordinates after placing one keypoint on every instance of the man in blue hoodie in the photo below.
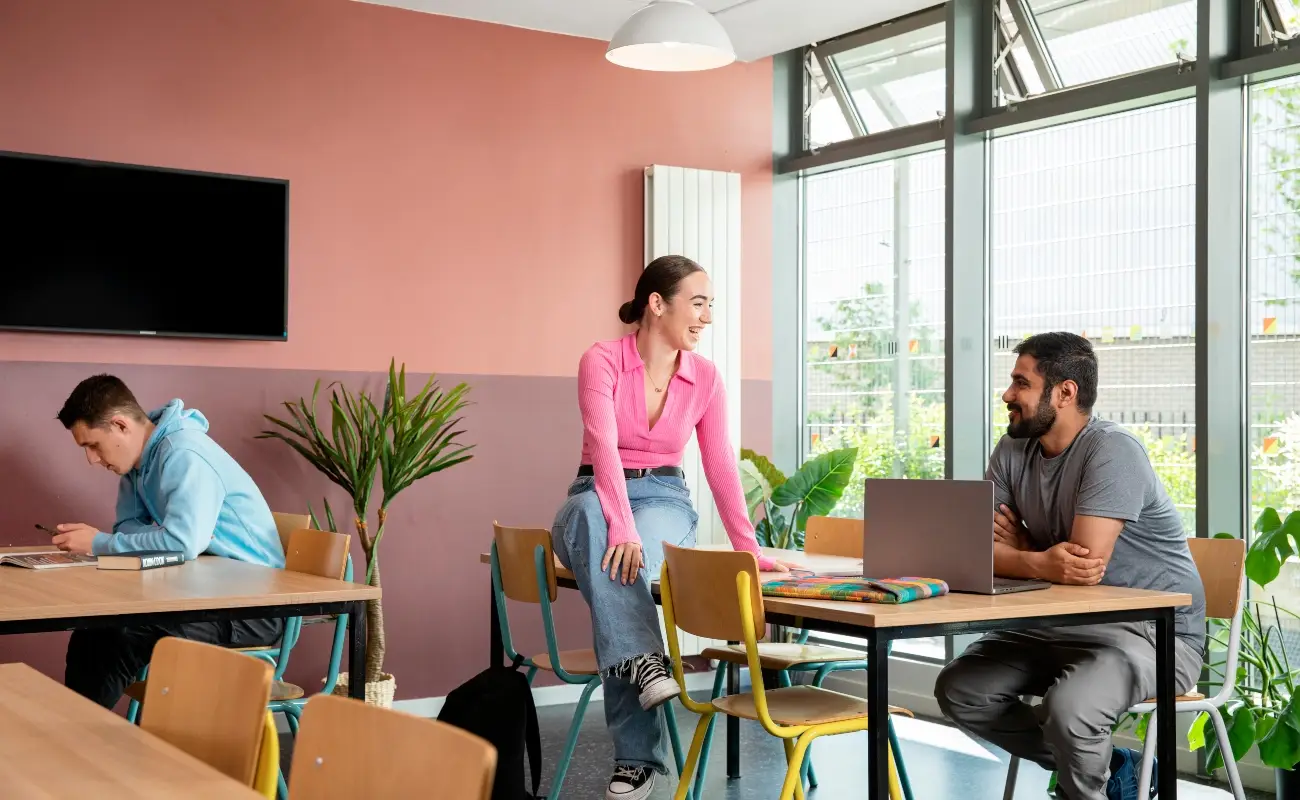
(178, 491)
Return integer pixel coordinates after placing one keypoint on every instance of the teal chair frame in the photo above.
(292, 709)
(588, 682)
(821, 670)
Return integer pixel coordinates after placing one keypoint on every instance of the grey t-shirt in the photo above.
(1105, 472)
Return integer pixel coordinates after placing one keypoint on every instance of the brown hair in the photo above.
(662, 277)
(96, 400)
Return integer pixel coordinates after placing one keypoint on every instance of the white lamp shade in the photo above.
(671, 36)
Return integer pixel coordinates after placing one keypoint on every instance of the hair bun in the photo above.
(628, 314)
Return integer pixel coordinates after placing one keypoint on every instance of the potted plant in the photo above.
(1265, 711)
(401, 441)
(787, 503)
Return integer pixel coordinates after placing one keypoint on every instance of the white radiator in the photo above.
(696, 213)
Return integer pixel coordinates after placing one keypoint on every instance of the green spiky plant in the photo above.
(402, 441)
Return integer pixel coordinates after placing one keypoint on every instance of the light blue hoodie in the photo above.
(188, 494)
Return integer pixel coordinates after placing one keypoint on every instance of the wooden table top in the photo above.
(203, 584)
(56, 743)
(957, 607)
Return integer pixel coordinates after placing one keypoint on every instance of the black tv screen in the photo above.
(111, 248)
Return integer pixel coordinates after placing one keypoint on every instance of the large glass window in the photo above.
(1093, 228)
(874, 324)
(1274, 291)
(1055, 44)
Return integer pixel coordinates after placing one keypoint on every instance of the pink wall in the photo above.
(465, 197)
(456, 187)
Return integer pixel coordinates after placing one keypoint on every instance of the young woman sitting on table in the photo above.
(640, 398)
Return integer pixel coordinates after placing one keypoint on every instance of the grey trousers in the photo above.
(1087, 675)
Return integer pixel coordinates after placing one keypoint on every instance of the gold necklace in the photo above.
(652, 380)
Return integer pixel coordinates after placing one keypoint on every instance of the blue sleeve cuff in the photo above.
(102, 544)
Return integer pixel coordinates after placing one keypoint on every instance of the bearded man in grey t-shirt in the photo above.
(1077, 503)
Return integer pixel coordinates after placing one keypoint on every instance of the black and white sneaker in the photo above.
(656, 685)
(630, 783)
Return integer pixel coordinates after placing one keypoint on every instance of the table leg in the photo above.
(1167, 780)
(877, 716)
(496, 648)
(733, 724)
(357, 651)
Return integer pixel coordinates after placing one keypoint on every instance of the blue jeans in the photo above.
(624, 620)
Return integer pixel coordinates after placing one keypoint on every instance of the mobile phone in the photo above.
(41, 527)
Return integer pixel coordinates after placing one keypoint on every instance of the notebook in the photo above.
(47, 559)
(863, 590)
(142, 559)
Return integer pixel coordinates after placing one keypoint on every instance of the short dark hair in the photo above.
(1064, 357)
(661, 277)
(96, 400)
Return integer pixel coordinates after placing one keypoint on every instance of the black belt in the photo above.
(587, 471)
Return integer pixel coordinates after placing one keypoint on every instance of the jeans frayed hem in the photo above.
(623, 669)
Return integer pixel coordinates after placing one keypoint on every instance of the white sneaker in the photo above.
(652, 679)
(630, 783)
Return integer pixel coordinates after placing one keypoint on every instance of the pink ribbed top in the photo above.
(616, 434)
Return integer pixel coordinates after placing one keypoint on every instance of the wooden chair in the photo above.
(825, 536)
(276, 655)
(523, 570)
(1221, 565)
(348, 749)
(715, 594)
(210, 702)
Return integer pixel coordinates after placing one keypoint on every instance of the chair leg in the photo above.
(720, 675)
(532, 673)
(674, 739)
(794, 767)
(281, 788)
(1225, 747)
(693, 756)
(904, 784)
(807, 774)
(562, 766)
(1013, 769)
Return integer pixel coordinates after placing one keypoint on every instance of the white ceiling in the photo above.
(758, 28)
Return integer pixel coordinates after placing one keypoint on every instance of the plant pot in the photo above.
(1288, 784)
(378, 693)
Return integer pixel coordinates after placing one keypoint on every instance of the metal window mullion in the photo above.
(1221, 423)
(840, 89)
(787, 263)
(1035, 44)
(967, 343)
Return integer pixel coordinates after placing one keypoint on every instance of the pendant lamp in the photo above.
(671, 36)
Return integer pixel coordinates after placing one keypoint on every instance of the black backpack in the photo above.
(497, 705)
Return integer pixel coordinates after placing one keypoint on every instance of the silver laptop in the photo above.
(934, 529)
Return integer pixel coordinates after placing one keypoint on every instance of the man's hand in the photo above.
(1006, 528)
(625, 559)
(76, 537)
(1067, 563)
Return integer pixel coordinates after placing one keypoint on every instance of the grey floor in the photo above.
(941, 761)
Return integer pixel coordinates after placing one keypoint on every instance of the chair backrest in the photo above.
(1220, 563)
(286, 524)
(209, 702)
(515, 555)
(833, 536)
(703, 586)
(322, 553)
(346, 749)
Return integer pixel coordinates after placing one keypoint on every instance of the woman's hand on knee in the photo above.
(623, 560)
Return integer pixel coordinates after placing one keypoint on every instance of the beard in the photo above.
(1037, 425)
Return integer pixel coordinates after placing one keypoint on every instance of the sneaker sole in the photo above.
(636, 794)
(658, 694)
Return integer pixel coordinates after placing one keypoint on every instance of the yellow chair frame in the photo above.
(797, 738)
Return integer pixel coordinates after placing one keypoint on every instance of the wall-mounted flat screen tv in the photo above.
(94, 247)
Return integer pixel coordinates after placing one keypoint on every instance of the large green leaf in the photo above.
(1280, 747)
(764, 534)
(757, 490)
(818, 485)
(1275, 542)
(775, 477)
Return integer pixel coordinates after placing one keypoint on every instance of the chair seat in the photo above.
(800, 705)
(258, 649)
(574, 662)
(280, 690)
(782, 655)
(1190, 697)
